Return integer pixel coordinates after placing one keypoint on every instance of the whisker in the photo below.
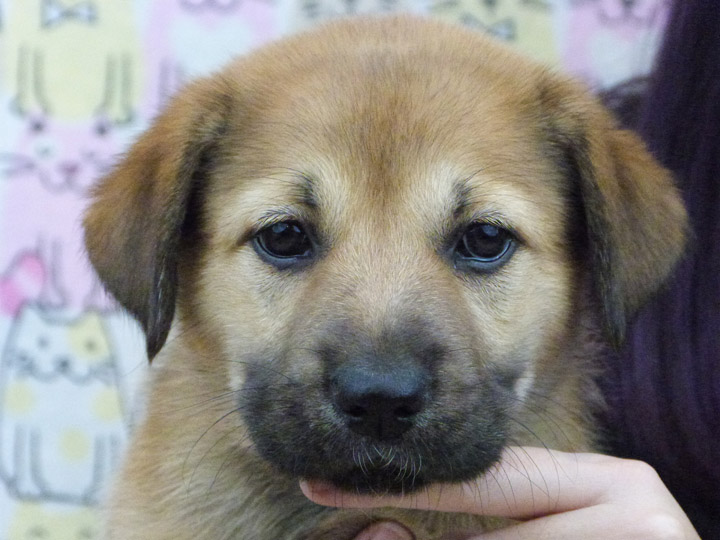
(192, 448)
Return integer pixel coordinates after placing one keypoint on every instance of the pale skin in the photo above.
(554, 495)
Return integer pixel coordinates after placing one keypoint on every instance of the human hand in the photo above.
(556, 495)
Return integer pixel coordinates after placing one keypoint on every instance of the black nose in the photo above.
(379, 402)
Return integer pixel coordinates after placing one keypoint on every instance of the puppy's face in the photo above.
(386, 244)
(384, 275)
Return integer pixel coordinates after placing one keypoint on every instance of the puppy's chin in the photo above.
(394, 472)
(401, 476)
(380, 480)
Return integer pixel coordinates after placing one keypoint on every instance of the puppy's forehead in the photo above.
(392, 135)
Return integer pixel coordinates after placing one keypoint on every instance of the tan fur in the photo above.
(384, 118)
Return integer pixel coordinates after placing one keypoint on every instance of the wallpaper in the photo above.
(78, 81)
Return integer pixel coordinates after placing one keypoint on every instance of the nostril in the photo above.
(406, 411)
(379, 403)
(355, 411)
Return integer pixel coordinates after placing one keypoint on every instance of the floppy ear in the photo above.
(133, 225)
(634, 216)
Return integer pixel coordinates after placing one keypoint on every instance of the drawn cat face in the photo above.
(46, 346)
(62, 155)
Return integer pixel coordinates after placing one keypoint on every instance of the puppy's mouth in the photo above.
(378, 481)
(381, 474)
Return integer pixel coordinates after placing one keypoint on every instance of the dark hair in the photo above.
(663, 389)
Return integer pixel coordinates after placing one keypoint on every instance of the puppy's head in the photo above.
(389, 231)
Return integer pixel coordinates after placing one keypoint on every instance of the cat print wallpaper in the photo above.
(79, 79)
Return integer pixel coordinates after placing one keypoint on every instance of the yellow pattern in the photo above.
(87, 339)
(19, 399)
(106, 406)
(74, 445)
(33, 521)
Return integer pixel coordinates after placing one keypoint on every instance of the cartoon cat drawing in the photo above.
(61, 409)
(70, 94)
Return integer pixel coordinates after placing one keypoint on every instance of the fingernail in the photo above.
(385, 531)
(316, 489)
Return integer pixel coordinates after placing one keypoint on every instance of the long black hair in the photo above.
(663, 390)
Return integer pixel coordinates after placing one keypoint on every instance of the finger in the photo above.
(602, 522)
(526, 483)
(580, 495)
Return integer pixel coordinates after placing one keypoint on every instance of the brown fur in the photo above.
(370, 131)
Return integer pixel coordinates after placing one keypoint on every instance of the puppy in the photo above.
(373, 255)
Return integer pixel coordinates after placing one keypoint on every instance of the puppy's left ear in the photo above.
(635, 220)
(134, 225)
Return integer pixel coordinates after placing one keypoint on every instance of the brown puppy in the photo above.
(383, 251)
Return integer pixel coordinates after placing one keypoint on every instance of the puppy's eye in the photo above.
(484, 246)
(283, 243)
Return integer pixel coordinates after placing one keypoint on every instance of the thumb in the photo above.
(385, 530)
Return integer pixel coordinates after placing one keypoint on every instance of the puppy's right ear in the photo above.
(133, 225)
(634, 219)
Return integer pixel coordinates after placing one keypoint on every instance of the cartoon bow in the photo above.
(55, 13)
(504, 29)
